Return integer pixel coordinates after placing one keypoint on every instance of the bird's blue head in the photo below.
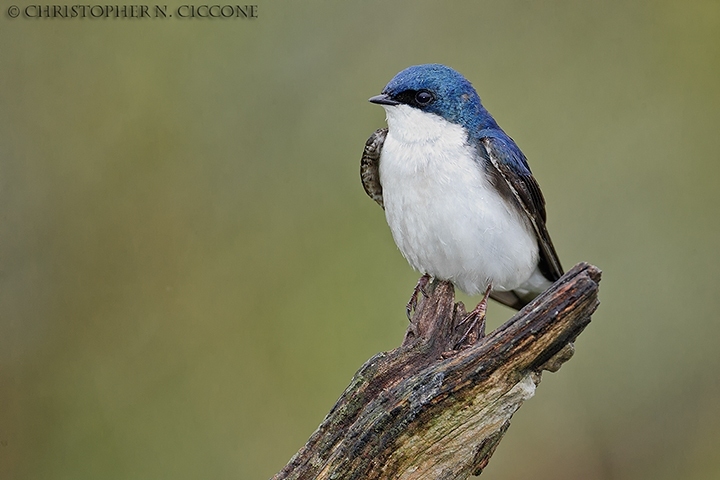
(440, 90)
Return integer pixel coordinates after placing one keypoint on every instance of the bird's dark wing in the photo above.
(370, 165)
(511, 175)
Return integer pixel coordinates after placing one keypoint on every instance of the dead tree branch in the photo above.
(428, 411)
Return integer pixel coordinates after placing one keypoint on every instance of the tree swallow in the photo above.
(458, 194)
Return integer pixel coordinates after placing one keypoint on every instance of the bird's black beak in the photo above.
(383, 99)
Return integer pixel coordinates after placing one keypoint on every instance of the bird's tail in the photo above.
(512, 299)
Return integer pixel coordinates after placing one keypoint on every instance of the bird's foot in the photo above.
(419, 288)
(476, 320)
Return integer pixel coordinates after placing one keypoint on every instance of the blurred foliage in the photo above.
(190, 272)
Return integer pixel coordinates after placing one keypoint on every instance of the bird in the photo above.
(458, 194)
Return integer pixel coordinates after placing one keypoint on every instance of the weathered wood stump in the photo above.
(432, 410)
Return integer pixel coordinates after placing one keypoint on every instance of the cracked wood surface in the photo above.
(426, 410)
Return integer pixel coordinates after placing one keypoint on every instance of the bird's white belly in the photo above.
(445, 216)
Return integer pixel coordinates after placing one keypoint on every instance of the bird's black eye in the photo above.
(423, 97)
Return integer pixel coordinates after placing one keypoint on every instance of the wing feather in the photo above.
(370, 165)
(517, 182)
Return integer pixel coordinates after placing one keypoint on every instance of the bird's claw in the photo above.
(419, 288)
(476, 318)
(472, 334)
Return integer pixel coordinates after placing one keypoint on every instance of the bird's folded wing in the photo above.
(370, 165)
(512, 177)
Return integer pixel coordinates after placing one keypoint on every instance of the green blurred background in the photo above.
(190, 271)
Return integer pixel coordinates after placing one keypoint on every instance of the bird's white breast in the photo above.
(444, 215)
